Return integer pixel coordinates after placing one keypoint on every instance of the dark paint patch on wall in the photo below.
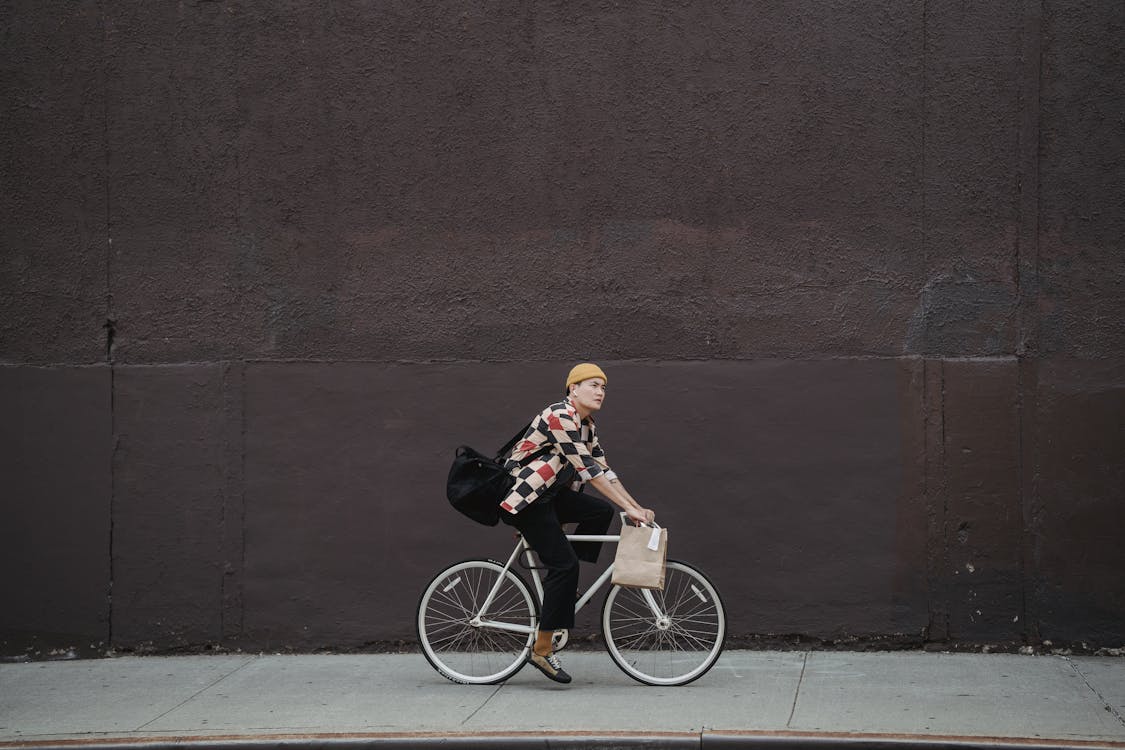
(793, 484)
(982, 526)
(345, 519)
(1080, 501)
(863, 263)
(55, 527)
(169, 509)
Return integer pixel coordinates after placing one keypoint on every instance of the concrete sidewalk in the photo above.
(750, 698)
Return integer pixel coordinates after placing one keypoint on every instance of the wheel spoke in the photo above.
(680, 645)
(464, 652)
(698, 642)
(637, 638)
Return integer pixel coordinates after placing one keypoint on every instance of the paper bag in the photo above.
(641, 555)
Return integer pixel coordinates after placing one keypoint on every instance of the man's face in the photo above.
(589, 394)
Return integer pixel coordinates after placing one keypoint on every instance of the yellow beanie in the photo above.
(584, 371)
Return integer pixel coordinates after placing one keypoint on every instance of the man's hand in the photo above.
(637, 516)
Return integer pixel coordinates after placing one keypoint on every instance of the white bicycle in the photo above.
(477, 621)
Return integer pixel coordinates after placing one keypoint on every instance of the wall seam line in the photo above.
(242, 501)
(110, 324)
(944, 528)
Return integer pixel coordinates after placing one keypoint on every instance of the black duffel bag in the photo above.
(477, 484)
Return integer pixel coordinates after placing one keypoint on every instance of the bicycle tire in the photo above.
(470, 654)
(677, 650)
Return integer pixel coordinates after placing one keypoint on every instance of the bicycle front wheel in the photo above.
(668, 637)
(458, 641)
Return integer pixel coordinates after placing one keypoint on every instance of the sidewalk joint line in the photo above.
(196, 694)
(491, 695)
(1108, 706)
(797, 692)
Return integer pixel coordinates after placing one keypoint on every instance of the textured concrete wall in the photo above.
(855, 270)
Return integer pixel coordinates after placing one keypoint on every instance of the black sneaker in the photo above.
(550, 666)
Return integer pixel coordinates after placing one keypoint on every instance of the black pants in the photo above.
(540, 525)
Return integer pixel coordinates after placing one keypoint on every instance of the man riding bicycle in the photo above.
(558, 455)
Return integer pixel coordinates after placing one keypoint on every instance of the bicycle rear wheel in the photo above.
(672, 649)
(459, 645)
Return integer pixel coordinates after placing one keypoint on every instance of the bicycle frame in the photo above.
(522, 547)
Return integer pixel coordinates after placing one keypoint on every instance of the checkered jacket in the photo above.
(556, 438)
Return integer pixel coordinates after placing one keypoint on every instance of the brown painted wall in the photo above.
(855, 270)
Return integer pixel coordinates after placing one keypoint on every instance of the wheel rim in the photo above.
(468, 652)
(672, 650)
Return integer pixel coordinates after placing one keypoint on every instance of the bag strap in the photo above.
(503, 452)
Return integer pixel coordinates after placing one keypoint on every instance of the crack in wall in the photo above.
(1027, 296)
